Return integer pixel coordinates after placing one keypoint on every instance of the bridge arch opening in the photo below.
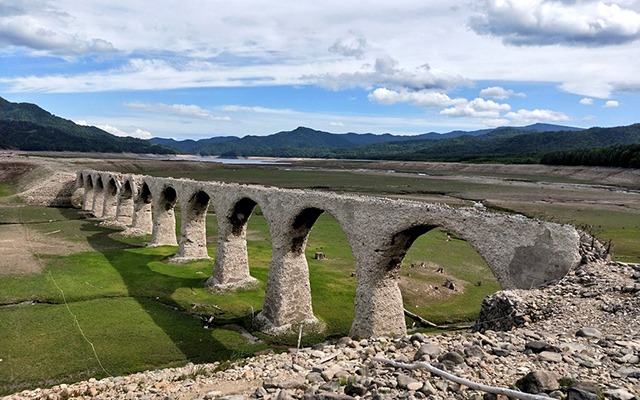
(239, 217)
(441, 277)
(89, 193)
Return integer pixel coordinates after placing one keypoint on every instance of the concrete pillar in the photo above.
(193, 231)
(89, 192)
(288, 294)
(231, 267)
(98, 198)
(142, 219)
(124, 210)
(164, 219)
(110, 204)
(379, 310)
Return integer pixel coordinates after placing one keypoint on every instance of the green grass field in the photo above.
(136, 310)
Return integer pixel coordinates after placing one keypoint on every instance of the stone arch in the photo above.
(193, 231)
(164, 219)
(142, 219)
(98, 197)
(89, 193)
(288, 293)
(124, 210)
(111, 190)
(231, 267)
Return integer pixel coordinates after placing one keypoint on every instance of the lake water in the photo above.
(236, 161)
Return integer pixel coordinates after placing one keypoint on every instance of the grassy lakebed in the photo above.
(80, 300)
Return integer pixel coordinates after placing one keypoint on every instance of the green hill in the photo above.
(25, 126)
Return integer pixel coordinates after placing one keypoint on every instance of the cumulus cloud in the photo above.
(587, 23)
(500, 93)
(611, 104)
(386, 72)
(180, 110)
(135, 132)
(586, 101)
(477, 108)
(526, 117)
(423, 98)
(352, 45)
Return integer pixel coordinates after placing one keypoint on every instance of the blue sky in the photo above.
(203, 68)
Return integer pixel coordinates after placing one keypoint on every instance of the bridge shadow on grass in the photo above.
(148, 324)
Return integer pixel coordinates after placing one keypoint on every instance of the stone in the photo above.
(539, 382)
(581, 394)
(537, 346)
(618, 394)
(589, 333)
(451, 356)
(550, 356)
(409, 383)
(354, 389)
(431, 350)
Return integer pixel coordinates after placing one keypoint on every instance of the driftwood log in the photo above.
(462, 381)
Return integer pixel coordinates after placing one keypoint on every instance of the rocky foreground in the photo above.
(576, 339)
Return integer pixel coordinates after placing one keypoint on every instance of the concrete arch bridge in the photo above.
(521, 252)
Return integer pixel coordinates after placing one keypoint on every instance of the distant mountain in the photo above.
(25, 126)
(307, 139)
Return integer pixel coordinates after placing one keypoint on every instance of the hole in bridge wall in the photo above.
(442, 278)
(332, 272)
(127, 191)
(99, 184)
(90, 182)
(112, 189)
(199, 203)
(301, 227)
(145, 194)
(170, 197)
(240, 215)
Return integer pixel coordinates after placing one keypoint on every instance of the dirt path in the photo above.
(19, 245)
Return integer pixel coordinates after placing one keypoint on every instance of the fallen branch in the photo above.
(462, 381)
(428, 324)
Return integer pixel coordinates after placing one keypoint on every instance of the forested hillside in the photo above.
(25, 126)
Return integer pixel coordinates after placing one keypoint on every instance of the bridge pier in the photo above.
(164, 219)
(110, 202)
(89, 192)
(287, 300)
(193, 231)
(142, 218)
(231, 267)
(98, 198)
(124, 209)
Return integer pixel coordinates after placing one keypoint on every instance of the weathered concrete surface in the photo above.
(521, 252)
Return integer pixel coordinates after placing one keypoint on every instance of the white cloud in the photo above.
(44, 30)
(337, 124)
(611, 104)
(260, 110)
(586, 101)
(135, 132)
(477, 108)
(180, 110)
(586, 23)
(526, 117)
(386, 72)
(500, 93)
(423, 98)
